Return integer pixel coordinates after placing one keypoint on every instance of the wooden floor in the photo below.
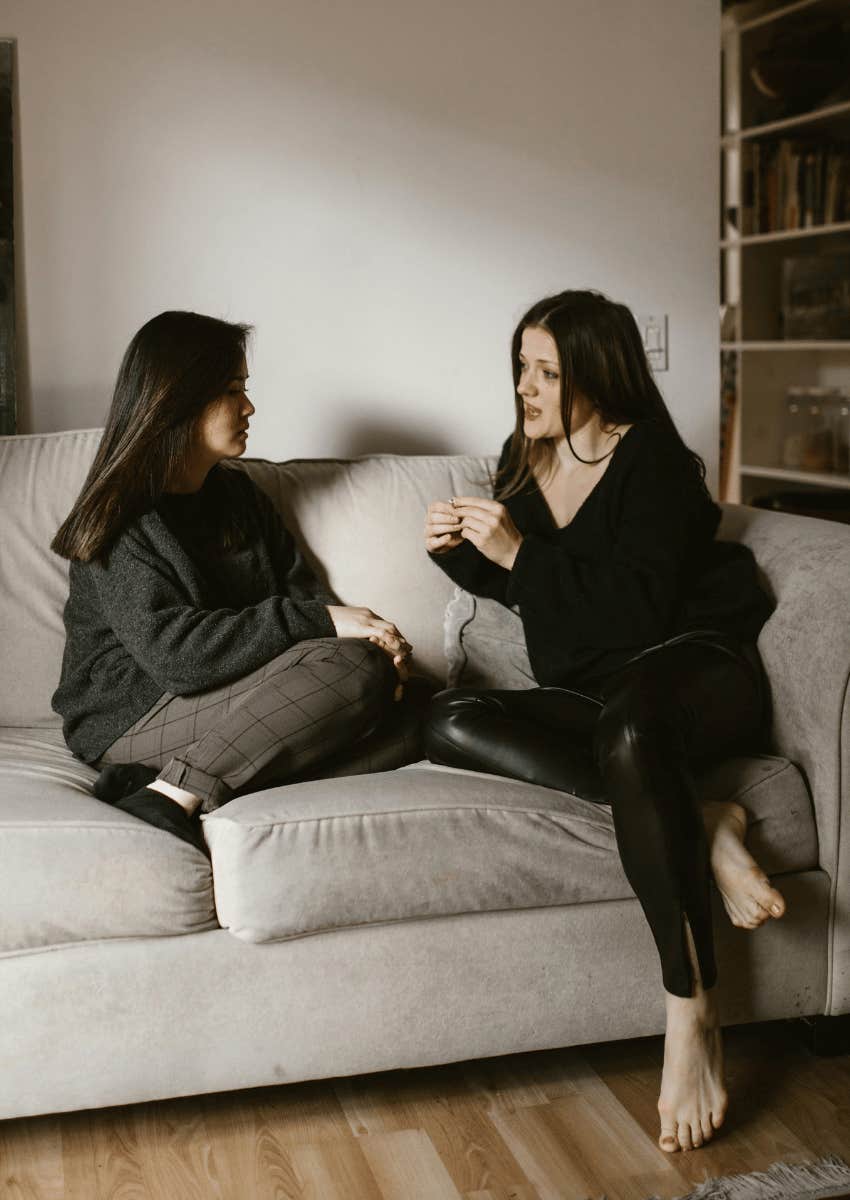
(554, 1125)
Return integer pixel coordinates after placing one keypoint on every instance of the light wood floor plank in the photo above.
(564, 1124)
(31, 1164)
(102, 1157)
(334, 1171)
(437, 1102)
(537, 1143)
(407, 1167)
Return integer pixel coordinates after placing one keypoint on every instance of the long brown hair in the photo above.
(601, 355)
(177, 364)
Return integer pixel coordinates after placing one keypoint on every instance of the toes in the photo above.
(717, 1117)
(668, 1140)
(685, 1136)
(707, 1130)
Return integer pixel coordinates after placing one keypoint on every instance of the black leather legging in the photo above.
(632, 741)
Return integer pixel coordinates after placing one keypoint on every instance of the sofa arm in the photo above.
(805, 647)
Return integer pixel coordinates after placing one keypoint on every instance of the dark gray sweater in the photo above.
(170, 613)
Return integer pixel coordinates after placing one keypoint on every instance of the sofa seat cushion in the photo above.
(427, 841)
(73, 869)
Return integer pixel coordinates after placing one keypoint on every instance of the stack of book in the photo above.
(795, 185)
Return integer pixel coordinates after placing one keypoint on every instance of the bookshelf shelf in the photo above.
(810, 478)
(833, 344)
(777, 14)
(783, 278)
(830, 112)
(786, 235)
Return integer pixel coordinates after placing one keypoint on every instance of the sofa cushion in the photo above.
(428, 841)
(73, 869)
(484, 644)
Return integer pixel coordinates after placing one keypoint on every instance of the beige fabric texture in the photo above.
(429, 841)
(73, 869)
(484, 644)
(147, 1018)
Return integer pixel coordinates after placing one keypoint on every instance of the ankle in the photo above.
(187, 800)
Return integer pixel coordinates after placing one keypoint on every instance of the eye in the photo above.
(522, 366)
(550, 374)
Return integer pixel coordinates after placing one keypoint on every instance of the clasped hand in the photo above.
(351, 621)
(485, 523)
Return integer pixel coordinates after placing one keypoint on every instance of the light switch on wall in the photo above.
(653, 332)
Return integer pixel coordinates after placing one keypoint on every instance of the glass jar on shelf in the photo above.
(818, 444)
(794, 428)
(839, 420)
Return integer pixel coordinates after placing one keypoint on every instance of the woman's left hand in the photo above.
(489, 526)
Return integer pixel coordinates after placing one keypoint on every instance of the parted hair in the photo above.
(601, 355)
(176, 365)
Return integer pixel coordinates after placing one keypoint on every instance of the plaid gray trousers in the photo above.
(290, 718)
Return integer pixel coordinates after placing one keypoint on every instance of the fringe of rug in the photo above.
(821, 1180)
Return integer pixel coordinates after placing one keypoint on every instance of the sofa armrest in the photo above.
(805, 647)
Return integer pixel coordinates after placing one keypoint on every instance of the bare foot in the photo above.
(693, 1099)
(748, 895)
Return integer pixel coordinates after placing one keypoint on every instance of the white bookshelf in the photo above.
(765, 365)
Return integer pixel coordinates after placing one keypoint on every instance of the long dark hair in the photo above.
(173, 368)
(601, 355)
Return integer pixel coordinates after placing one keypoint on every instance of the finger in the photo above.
(480, 527)
(446, 541)
(444, 525)
(480, 514)
(441, 508)
(472, 535)
(476, 502)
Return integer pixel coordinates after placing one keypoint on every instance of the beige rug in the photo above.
(826, 1179)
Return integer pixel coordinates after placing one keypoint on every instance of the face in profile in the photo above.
(540, 384)
(222, 431)
(540, 388)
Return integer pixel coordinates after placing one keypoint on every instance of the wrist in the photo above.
(510, 558)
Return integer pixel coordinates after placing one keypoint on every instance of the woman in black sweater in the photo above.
(202, 655)
(640, 629)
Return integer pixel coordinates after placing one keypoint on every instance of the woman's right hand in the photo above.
(351, 621)
(442, 527)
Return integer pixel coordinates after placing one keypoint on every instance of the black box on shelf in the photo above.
(816, 297)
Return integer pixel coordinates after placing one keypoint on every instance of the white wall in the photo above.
(380, 186)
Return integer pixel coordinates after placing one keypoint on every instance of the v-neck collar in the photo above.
(544, 503)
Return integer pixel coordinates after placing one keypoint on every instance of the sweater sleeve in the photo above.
(182, 647)
(627, 593)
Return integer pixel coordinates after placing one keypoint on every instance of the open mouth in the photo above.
(531, 413)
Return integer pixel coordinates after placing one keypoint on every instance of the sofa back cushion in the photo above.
(360, 523)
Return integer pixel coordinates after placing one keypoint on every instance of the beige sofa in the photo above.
(413, 917)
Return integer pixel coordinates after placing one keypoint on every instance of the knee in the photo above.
(634, 728)
(450, 712)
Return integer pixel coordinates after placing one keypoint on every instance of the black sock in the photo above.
(164, 813)
(122, 779)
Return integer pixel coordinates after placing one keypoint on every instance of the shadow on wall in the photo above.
(377, 436)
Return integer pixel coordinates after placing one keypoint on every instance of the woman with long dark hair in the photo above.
(640, 629)
(202, 655)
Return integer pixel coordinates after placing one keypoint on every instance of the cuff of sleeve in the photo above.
(315, 613)
(528, 575)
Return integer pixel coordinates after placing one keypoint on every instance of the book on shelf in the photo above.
(816, 297)
(791, 184)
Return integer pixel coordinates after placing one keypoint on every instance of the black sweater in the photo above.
(638, 564)
(170, 613)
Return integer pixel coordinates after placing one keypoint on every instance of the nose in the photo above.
(248, 409)
(527, 387)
